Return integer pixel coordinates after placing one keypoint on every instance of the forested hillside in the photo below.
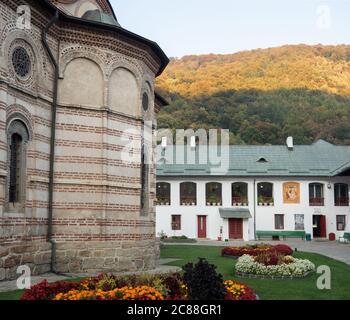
(264, 95)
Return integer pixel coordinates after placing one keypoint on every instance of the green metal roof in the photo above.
(100, 16)
(238, 213)
(321, 159)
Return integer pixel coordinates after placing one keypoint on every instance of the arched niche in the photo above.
(83, 84)
(124, 93)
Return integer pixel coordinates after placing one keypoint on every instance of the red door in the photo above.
(202, 227)
(236, 229)
(323, 226)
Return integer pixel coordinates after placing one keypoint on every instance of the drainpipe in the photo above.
(53, 138)
(255, 209)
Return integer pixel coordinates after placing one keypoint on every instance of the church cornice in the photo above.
(117, 32)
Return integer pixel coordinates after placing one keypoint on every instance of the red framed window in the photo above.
(175, 222)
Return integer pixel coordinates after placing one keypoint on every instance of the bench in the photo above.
(346, 237)
(283, 234)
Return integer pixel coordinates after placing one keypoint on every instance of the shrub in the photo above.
(203, 282)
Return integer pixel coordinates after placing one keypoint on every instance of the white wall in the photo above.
(265, 220)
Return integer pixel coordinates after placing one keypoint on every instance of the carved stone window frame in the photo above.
(17, 125)
(29, 79)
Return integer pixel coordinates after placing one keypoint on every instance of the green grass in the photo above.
(11, 295)
(298, 289)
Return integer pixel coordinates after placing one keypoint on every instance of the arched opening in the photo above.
(188, 194)
(17, 138)
(15, 168)
(240, 194)
(265, 194)
(316, 194)
(144, 182)
(214, 194)
(341, 195)
(163, 194)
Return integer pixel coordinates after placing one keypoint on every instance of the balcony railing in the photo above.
(317, 202)
(342, 202)
(240, 201)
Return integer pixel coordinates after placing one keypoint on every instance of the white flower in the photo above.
(246, 264)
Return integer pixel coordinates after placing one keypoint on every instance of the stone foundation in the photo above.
(36, 255)
(114, 256)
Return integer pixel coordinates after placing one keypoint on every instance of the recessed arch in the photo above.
(82, 84)
(124, 93)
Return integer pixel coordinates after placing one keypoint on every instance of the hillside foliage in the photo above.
(263, 95)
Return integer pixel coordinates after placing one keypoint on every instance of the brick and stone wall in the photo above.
(97, 220)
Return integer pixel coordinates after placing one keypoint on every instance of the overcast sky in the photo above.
(183, 27)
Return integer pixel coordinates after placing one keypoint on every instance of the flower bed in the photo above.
(142, 287)
(239, 291)
(273, 267)
(254, 250)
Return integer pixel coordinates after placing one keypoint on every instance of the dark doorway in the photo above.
(320, 228)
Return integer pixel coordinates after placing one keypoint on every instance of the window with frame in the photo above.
(188, 194)
(163, 194)
(175, 222)
(341, 223)
(299, 222)
(265, 194)
(214, 194)
(279, 221)
(17, 138)
(316, 194)
(240, 194)
(144, 182)
(341, 195)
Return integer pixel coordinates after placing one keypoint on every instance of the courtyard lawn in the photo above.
(299, 289)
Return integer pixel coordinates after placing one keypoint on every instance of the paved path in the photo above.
(50, 277)
(335, 250)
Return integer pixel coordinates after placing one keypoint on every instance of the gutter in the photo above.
(53, 138)
(255, 209)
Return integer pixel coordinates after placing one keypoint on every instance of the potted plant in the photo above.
(212, 199)
(261, 200)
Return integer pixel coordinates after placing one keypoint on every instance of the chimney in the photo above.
(290, 143)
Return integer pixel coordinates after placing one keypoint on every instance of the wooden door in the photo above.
(202, 227)
(323, 227)
(236, 229)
